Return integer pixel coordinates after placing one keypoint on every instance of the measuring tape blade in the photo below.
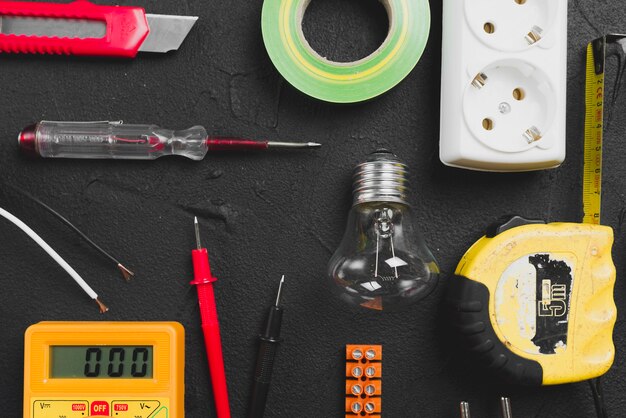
(594, 124)
(594, 127)
(345, 82)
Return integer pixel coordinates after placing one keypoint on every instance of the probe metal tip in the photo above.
(293, 145)
(465, 410)
(102, 306)
(506, 407)
(197, 227)
(280, 290)
(126, 274)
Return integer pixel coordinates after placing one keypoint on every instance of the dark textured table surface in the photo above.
(263, 215)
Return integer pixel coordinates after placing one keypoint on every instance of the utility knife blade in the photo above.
(84, 28)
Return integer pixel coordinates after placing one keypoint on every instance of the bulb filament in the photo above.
(384, 229)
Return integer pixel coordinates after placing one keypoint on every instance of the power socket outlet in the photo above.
(504, 84)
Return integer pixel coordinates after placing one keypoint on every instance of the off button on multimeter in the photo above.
(96, 409)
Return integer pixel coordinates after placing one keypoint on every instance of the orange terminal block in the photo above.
(363, 407)
(370, 388)
(363, 380)
(367, 352)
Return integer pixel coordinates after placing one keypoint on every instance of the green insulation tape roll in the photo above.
(345, 82)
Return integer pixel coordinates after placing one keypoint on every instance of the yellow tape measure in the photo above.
(594, 127)
(534, 301)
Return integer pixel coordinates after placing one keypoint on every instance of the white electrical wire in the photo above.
(32, 234)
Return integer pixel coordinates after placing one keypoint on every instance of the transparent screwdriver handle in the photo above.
(114, 140)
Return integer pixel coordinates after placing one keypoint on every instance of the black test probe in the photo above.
(268, 344)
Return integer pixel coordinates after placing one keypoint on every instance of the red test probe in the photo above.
(203, 280)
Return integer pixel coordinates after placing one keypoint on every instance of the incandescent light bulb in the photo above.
(382, 262)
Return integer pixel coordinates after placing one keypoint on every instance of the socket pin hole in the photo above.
(519, 94)
(487, 124)
(520, 1)
(489, 27)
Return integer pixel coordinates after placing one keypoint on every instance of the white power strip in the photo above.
(504, 83)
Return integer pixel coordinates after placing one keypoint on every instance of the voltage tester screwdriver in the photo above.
(117, 140)
(268, 343)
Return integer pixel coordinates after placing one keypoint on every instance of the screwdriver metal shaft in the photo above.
(293, 145)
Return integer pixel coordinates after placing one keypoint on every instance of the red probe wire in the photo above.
(203, 280)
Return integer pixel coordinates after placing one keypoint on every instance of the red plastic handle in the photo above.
(127, 28)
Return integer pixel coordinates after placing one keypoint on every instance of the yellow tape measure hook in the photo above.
(605, 47)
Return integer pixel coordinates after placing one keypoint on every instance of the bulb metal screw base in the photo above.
(381, 178)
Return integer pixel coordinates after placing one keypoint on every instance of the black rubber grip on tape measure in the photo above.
(467, 303)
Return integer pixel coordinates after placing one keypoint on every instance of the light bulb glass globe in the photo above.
(383, 262)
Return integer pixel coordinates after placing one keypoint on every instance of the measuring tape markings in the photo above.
(594, 126)
(345, 82)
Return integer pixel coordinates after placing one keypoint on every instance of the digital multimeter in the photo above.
(534, 301)
(104, 369)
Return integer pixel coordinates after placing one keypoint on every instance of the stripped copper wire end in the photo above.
(126, 274)
(103, 307)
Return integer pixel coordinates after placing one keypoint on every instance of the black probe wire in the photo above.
(598, 397)
(126, 273)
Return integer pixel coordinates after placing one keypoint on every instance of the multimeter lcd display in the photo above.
(101, 362)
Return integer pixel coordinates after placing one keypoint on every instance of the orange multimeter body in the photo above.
(104, 369)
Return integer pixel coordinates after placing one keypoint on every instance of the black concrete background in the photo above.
(263, 215)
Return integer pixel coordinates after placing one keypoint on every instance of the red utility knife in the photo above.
(84, 28)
